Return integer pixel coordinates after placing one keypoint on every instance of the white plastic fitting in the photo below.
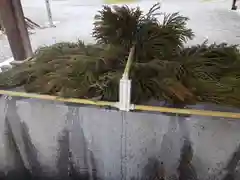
(125, 94)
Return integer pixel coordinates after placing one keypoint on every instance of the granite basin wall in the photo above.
(50, 139)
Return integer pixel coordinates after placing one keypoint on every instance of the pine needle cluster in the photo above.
(162, 69)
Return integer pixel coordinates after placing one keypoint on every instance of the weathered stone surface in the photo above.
(110, 144)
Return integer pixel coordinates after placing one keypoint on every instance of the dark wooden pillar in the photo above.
(13, 21)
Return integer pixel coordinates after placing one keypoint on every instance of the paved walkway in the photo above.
(210, 19)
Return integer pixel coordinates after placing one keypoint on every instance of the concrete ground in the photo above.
(209, 19)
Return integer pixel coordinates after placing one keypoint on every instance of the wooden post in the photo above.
(15, 28)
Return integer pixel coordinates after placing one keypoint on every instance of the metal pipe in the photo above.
(49, 13)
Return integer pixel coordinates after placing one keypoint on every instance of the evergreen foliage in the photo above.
(162, 69)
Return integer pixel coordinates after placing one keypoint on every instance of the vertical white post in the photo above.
(125, 94)
(49, 13)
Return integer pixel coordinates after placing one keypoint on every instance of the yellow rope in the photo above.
(188, 111)
(113, 104)
(56, 98)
